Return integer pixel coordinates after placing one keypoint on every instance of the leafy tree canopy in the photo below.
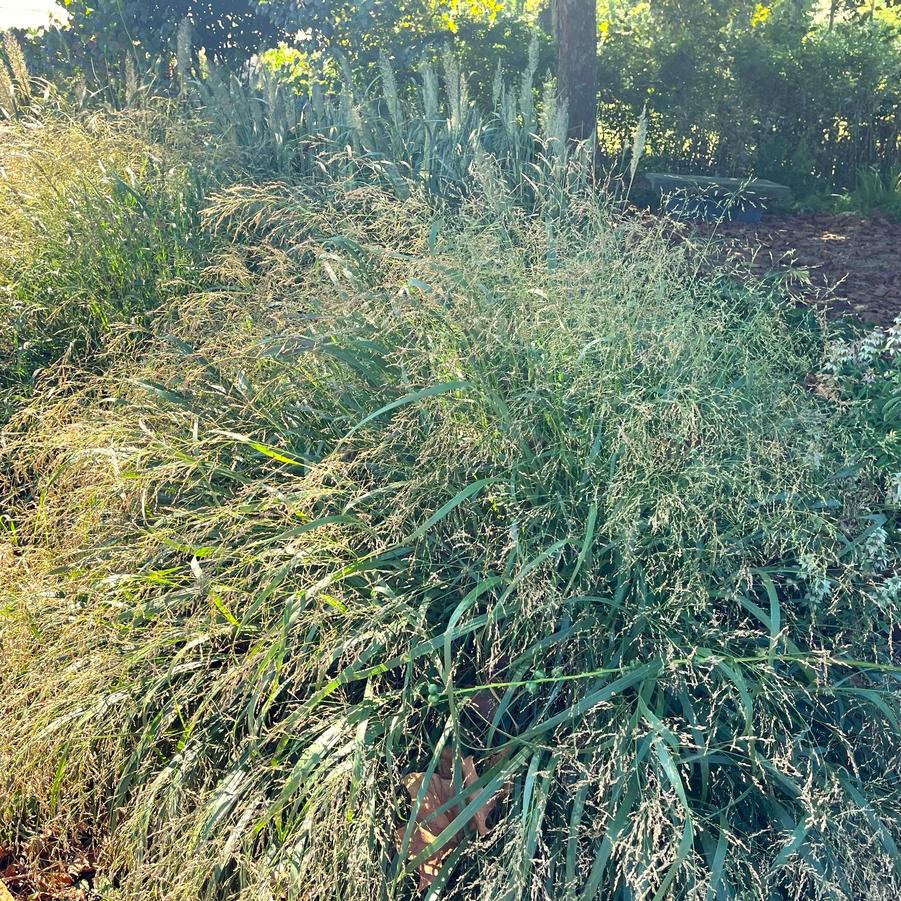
(228, 30)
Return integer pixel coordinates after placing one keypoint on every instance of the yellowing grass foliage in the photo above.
(98, 224)
(521, 488)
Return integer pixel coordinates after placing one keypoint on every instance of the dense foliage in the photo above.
(407, 516)
(799, 91)
(105, 32)
(738, 87)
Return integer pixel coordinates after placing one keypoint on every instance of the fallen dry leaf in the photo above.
(430, 823)
(46, 869)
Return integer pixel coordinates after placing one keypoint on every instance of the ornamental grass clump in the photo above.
(454, 554)
(99, 223)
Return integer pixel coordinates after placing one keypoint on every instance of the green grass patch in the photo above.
(99, 224)
(521, 502)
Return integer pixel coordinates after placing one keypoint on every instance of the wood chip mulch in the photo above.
(847, 263)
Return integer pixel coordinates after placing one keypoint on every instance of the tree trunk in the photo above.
(576, 27)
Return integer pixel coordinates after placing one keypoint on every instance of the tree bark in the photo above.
(576, 30)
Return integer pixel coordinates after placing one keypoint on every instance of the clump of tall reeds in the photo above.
(433, 137)
(15, 80)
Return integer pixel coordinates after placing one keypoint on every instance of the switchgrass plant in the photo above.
(99, 222)
(405, 491)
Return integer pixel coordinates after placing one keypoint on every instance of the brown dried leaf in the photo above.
(480, 817)
(429, 824)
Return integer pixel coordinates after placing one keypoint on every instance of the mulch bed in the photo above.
(48, 869)
(848, 264)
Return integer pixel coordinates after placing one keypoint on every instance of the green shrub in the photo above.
(526, 490)
(875, 193)
(864, 372)
(743, 87)
(98, 36)
(861, 372)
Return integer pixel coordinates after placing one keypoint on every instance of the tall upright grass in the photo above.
(402, 487)
(876, 193)
(432, 136)
(99, 222)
